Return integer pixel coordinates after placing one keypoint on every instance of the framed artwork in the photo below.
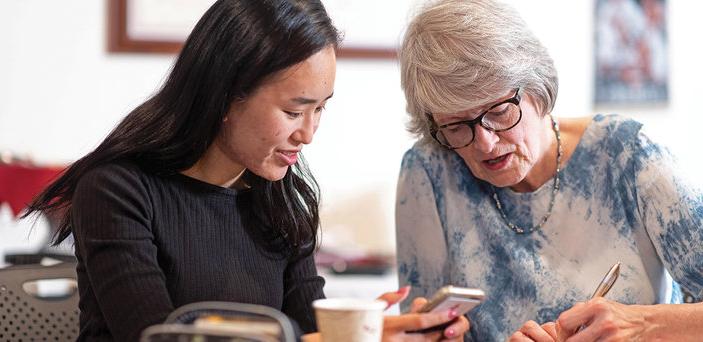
(631, 52)
(371, 29)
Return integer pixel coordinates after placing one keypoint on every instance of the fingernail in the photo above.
(449, 333)
(452, 313)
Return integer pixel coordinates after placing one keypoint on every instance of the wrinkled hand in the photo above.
(604, 320)
(531, 331)
(395, 328)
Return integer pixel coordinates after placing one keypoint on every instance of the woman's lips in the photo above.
(288, 157)
(497, 163)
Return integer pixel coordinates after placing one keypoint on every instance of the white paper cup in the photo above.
(349, 319)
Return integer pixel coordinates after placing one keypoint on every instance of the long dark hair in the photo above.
(232, 49)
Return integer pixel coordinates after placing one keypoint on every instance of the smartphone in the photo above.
(459, 299)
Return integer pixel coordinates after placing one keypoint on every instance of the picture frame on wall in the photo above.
(161, 26)
(631, 52)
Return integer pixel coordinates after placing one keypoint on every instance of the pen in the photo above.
(605, 285)
(607, 281)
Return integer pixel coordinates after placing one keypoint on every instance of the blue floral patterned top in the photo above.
(621, 199)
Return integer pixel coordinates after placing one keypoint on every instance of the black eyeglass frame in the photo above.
(515, 99)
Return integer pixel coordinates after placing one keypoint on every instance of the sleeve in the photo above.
(420, 240)
(671, 209)
(302, 286)
(111, 225)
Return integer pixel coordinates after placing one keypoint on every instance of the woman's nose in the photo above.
(484, 140)
(306, 131)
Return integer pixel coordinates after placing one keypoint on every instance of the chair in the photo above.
(250, 324)
(30, 307)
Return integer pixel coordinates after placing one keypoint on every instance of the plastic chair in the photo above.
(28, 312)
(182, 324)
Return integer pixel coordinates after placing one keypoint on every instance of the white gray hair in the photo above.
(459, 54)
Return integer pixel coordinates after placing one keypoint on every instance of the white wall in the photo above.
(60, 94)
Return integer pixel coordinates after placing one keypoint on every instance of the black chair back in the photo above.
(28, 314)
(253, 322)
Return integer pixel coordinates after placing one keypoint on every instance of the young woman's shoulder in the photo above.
(114, 170)
(110, 201)
(116, 176)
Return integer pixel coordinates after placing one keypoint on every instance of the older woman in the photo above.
(501, 195)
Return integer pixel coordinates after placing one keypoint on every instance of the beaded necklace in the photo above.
(555, 189)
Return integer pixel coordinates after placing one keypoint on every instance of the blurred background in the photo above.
(62, 91)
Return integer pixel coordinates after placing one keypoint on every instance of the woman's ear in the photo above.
(235, 102)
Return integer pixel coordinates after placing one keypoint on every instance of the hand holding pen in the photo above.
(605, 285)
(570, 323)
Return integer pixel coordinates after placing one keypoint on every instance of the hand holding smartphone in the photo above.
(459, 299)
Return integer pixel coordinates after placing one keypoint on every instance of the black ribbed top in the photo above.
(148, 244)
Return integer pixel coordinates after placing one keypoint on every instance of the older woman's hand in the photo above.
(604, 320)
(398, 328)
(531, 331)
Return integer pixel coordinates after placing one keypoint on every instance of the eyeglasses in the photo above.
(500, 117)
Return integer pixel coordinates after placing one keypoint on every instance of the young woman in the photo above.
(200, 193)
